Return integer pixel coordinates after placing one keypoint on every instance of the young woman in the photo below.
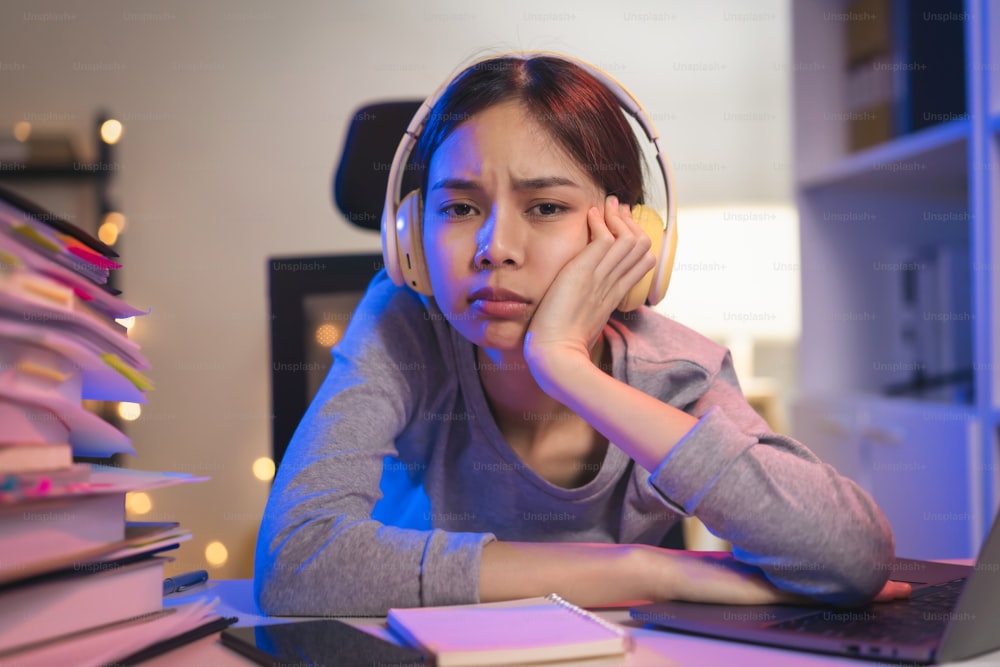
(515, 434)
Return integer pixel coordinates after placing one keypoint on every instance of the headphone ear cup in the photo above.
(650, 223)
(390, 247)
(408, 232)
(665, 265)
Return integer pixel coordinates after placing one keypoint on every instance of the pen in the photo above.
(182, 582)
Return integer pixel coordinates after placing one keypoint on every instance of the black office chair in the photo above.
(363, 172)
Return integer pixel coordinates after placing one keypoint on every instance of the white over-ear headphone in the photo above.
(402, 217)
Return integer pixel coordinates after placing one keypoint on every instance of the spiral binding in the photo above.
(607, 625)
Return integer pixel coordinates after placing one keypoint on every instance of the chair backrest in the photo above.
(363, 171)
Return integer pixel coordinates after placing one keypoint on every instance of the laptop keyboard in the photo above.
(922, 617)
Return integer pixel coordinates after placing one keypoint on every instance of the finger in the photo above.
(636, 230)
(601, 240)
(618, 218)
(626, 228)
(643, 242)
(894, 590)
(643, 265)
(617, 260)
(613, 215)
(621, 257)
(901, 589)
(631, 245)
(598, 225)
(624, 213)
(617, 214)
(629, 254)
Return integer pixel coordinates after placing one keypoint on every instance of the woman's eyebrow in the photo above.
(455, 184)
(537, 183)
(542, 182)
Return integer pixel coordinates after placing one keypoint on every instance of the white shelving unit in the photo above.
(931, 463)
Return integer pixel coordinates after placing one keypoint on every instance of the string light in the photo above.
(138, 502)
(22, 130)
(216, 554)
(111, 131)
(328, 334)
(108, 233)
(263, 469)
(129, 411)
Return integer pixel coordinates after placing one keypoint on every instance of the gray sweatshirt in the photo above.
(398, 475)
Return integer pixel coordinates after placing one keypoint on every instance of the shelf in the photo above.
(871, 317)
(78, 171)
(932, 162)
(932, 410)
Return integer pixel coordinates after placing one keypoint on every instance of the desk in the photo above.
(652, 648)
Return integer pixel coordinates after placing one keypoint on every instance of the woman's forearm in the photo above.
(642, 426)
(583, 573)
(593, 574)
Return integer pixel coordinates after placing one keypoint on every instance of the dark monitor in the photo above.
(312, 299)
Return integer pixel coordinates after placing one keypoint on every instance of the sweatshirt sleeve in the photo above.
(319, 552)
(809, 529)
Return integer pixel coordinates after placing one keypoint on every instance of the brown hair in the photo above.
(577, 109)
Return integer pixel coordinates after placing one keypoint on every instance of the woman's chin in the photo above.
(499, 336)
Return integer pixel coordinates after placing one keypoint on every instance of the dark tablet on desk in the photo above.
(320, 643)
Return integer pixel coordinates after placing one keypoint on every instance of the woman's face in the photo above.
(506, 209)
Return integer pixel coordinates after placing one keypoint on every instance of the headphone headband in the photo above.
(626, 100)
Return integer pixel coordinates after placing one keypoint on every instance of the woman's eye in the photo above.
(458, 210)
(546, 210)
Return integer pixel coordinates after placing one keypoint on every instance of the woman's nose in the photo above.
(500, 241)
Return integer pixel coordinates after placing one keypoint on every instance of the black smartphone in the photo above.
(320, 643)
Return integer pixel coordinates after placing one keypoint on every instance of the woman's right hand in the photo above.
(718, 578)
(710, 576)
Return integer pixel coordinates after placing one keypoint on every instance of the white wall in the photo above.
(234, 116)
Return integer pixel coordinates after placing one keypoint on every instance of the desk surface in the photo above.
(652, 648)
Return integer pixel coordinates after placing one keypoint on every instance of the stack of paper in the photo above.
(73, 572)
(60, 341)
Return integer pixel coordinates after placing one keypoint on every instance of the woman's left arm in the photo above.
(570, 320)
(810, 530)
(642, 426)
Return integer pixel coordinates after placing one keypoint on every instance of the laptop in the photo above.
(952, 614)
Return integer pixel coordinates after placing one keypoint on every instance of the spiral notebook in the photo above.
(513, 632)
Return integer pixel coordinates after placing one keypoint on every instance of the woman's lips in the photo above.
(501, 309)
(499, 302)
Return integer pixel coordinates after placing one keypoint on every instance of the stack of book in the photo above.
(905, 67)
(78, 583)
(932, 324)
